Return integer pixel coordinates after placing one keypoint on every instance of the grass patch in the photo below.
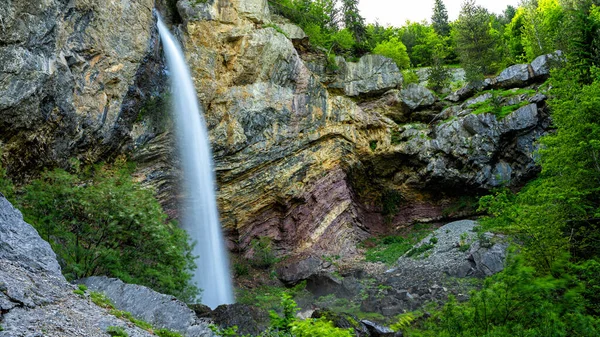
(388, 249)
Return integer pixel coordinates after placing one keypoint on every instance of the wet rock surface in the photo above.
(34, 296)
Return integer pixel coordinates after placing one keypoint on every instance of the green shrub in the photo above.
(409, 76)
(318, 328)
(517, 302)
(101, 300)
(394, 49)
(100, 222)
(263, 256)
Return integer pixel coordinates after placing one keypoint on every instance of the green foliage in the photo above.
(421, 42)
(409, 76)
(390, 201)
(127, 315)
(474, 43)
(263, 256)
(100, 222)
(416, 251)
(224, 332)
(439, 75)
(373, 145)
(318, 328)
(403, 321)
(101, 300)
(284, 321)
(269, 297)
(386, 249)
(394, 49)
(541, 25)
(439, 18)
(517, 302)
(117, 331)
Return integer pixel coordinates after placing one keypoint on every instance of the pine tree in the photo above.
(353, 21)
(474, 43)
(439, 19)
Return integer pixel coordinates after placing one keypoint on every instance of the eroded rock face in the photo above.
(66, 69)
(34, 296)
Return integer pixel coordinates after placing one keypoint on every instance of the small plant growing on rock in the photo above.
(81, 288)
(263, 256)
(116, 331)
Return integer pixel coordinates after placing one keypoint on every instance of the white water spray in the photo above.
(201, 218)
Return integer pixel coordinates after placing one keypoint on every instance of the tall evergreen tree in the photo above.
(474, 43)
(353, 21)
(439, 19)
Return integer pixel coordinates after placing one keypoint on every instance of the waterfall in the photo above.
(200, 218)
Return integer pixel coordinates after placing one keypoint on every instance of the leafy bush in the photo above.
(409, 76)
(394, 49)
(517, 302)
(263, 256)
(100, 222)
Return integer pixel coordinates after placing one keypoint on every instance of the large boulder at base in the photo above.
(34, 296)
(162, 311)
(372, 74)
(250, 320)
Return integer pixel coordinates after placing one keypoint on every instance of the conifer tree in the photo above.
(439, 19)
(353, 21)
(474, 43)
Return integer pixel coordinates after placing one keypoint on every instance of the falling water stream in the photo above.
(200, 218)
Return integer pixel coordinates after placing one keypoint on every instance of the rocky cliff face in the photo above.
(66, 70)
(306, 155)
(316, 159)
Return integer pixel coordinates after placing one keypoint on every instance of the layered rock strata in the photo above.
(313, 155)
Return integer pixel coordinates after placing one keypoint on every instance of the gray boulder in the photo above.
(376, 330)
(517, 75)
(20, 243)
(162, 311)
(292, 31)
(541, 65)
(417, 97)
(372, 74)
